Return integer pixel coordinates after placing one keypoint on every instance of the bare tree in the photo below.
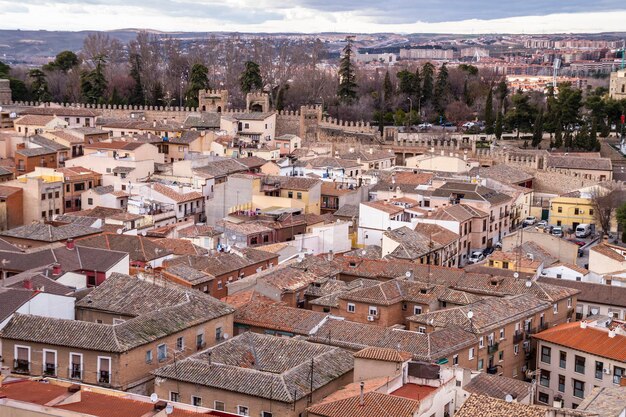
(606, 198)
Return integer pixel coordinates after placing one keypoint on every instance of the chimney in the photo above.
(160, 405)
(612, 334)
(583, 324)
(69, 244)
(73, 388)
(56, 269)
(371, 151)
(361, 397)
(27, 284)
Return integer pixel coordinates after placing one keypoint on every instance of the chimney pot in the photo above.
(362, 396)
(69, 244)
(73, 388)
(28, 284)
(56, 269)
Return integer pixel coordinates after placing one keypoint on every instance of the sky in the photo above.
(310, 16)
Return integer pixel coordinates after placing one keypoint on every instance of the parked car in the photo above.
(476, 256)
(583, 230)
(557, 231)
(424, 126)
(468, 125)
(541, 224)
(577, 242)
(489, 251)
(529, 221)
(447, 124)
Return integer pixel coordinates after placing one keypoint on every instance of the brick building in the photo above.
(145, 328)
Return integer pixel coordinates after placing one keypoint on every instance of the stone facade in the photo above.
(213, 100)
(5, 92)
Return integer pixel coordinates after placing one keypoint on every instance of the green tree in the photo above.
(39, 86)
(387, 91)
(93, 84)
(502, 91)
(64, 61)
(4, 70)
(137, 96)
(594, 143)
(489, 117)
(250, 79)
(199, 80)
(538, 130)
(581, 141)
(498, 128)
(428, 82)
(347, 77)
(521, 115)
(442, 89)
(558, 135)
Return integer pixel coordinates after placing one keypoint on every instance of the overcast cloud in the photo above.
(461, 16)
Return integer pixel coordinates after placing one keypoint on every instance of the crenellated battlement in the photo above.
(349, 126)
(106, 106)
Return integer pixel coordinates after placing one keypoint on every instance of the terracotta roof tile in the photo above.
(375, 404)
(590, 340)
(383, 354)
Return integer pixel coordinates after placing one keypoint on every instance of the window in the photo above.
(290, 194)
(546, 353)
(579, 364)
(591, 210)
(555, 308)
(579, 388)
(481, 342)
(569, 302)
(43, 196)
(56, 194)
(562, 359)
(481, 364)
(243, 410)
(218, 334)
(196, 401)
(22, 359)
(576, 211)
(516, 349)
(505, 265)
(417, 310)
(501, 334)
(162, 352)
(180, 344)
(561, 387)
(421, 329)
(76, 366)
(544, 379)
(219, 285)
(200, 341)
(219, 406)
(148, 356)
(49, 362)
(266, 414)
(559, 209)
(455, 360)
(104, 370)
(471, 353)
(373, 311)
(544, 398)
(501, 356)
(174, 396)
(299, 196)
(351, 308)
(599, 369)
(618, 374)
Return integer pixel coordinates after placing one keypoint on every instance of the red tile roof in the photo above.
(590, 340)
(414, 391)
(375, 404)
(383, 354)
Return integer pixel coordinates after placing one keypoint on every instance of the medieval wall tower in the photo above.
(215, 101)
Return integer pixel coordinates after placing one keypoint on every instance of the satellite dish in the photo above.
(407, 274)
(119, 231)
(470, 314)
(154, 397)
(529, 284)
(169, 409)
(363, 252)
(226, 336)
(508, 398)
(516, 275)
(144, 233)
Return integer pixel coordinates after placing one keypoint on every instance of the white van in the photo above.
(583, 230)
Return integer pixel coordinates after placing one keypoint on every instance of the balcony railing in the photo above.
(492, 370)
(493, 348)
(76, 372)
(518, 337)
(104, 378)
(49, 369)
(21, 366)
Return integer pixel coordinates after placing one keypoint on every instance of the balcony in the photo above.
(518, 337)
(21, 366)
(493, 348)
(104, 378)
(49, 369)
(75, 372)
(492, 370)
